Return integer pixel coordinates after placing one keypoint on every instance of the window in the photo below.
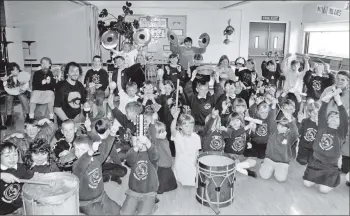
(256, 44)
(335, 44)
(275, 40)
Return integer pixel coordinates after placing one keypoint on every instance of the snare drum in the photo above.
(60, 199)
(215, 179)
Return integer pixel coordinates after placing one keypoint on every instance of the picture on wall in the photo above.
(178, 32)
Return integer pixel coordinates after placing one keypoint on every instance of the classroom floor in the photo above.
(252, 196)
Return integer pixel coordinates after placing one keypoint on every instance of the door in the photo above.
(265, 38)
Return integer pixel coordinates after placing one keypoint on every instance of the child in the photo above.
(38, 158)
(10, 186)
(43, 128)
(148, 96)
(12, 82)
(271, 71)
(212, 137)
(260, 134)
(332, 129)
(187, 144)
(174, 71)
(226, 100)
(307, 131)
(236, 142)
(166, 177)
(279, 149)
(88, 168)
(143, 181)
(128, 96)
(202, 103)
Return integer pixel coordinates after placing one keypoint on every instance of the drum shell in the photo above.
(62, 204)
(221, 198)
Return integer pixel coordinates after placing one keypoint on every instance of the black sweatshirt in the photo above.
(307, 132)
(39, 76)
(317, 84)
(212, 140)
(97, 77)
(236, 141)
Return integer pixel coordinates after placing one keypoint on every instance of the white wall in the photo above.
(311, 16)
(58, 27)
(289, 13)
(212, 22)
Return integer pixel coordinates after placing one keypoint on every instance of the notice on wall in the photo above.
(322, 9)
(332, 11)
(346, 6)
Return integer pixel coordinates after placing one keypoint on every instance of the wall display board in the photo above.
(158, 49)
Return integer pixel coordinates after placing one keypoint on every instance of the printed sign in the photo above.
(153, 23)
(332, 11)
(158, 33)
(322, 9)
(347, 6)
(270, 18)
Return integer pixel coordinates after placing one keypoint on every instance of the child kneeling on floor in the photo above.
(279, 147)
(88, 168)
(332, 129)
(143, 179)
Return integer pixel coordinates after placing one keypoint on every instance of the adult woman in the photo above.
(224, 70)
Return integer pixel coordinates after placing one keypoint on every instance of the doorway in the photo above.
(265, 38)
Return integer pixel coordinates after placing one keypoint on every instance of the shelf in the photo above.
(28, 42)
(30, 59)
(6, 42)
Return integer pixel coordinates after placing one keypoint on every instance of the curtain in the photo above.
(92, 13)
(307, 42)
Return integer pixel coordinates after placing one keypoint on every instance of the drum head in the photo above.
(64, 186)
(23, 77)
(216, 160)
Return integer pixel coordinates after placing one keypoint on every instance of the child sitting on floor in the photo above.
(10, 186)
(187, 145)
(166, 177)
(307, 131)
(143, 181)
(212, 136)
(332, 129)
(88, 168)
(38, 158)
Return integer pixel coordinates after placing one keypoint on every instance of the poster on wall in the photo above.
(332, 11)
(347, 6)
(322, 9)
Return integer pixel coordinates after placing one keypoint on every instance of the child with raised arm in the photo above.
(187, 145)
(88, 168)
(143, 180)
(332, 129)
(307, 131)
(212, 136)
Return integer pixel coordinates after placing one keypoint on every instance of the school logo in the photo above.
(326, 142)
(207, 106)
(216, 143)
(95, 79)
(94, 178)
(127, 135)
(11, 193)
(261, 130)
(238, 144)
(74, 100)
(310, 134)
(141, 171)
(316, 84)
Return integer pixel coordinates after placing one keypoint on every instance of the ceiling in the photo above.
(201, 5)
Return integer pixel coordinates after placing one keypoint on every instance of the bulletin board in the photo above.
(158, 50)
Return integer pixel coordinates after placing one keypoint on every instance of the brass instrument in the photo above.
(203, 40)
(142, 37)
(109, 39)
(172, 37)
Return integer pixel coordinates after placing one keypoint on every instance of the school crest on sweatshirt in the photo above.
(261, 130)
(207, 106)
(94, 178)
(11, 193)
(326, 142)
(316, 84)
(141, 171)
(216, 142)
(238, 144)
(310, 134)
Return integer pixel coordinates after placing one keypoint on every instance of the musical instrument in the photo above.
(215, 179)
(62, 198)
(23, 79)
(140, 126)
(205, 70)
(142, 37)
(109, 39)
(229, 29)
(177, 93)
(172, 37)
(256, 121)
(203, 40)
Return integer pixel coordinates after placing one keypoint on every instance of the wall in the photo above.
(289, 13)
(58, 27)
(212, 22)
(311, 16)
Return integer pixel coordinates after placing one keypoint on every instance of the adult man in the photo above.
(71, 95)
(119, 75)
(187, 52)
(96, 79)
(136, 73)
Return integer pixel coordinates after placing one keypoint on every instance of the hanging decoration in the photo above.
(228, 32)
(118, 24)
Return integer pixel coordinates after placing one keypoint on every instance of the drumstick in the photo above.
(51, 183)
(256, 121)
(177, 93)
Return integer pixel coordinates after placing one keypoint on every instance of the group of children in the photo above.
(233, 111)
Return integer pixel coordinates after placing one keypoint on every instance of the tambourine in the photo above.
(23, 78)
(205, 70)
(66, 161)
